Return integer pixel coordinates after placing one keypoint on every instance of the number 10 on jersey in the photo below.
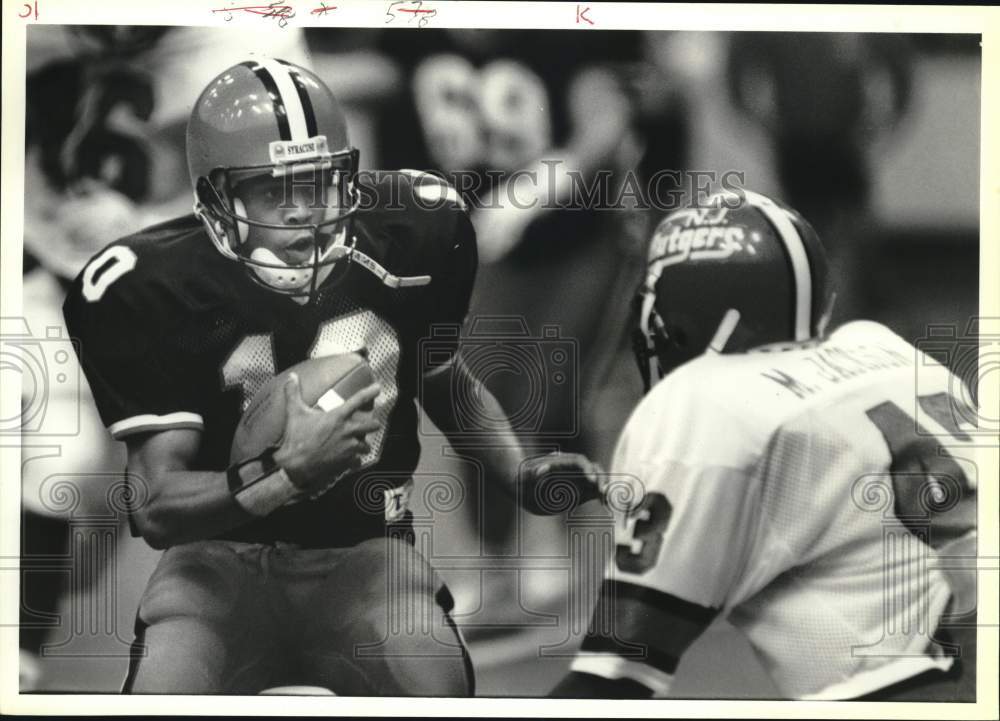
(252, 363)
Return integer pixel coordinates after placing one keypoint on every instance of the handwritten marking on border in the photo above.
(28, 10)
(283, 13)
(417, 11)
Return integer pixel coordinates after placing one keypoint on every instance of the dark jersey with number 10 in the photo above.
(173, 335)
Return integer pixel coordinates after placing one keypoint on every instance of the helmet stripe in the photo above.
(280, 113)
(795, 248)
(288, 111)
(307, 107)
(290, 97)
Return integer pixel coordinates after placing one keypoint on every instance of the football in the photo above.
(324, 382)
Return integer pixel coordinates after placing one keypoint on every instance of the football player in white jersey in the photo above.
(803, 485)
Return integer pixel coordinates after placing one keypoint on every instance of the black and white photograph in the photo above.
(422, 357)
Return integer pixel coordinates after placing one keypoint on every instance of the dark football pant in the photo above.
(228, 617)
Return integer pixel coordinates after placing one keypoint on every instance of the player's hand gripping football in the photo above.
(558, 482)
(318, 447)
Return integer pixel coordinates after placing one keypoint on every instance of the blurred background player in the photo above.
(767, 473)
(833, 125)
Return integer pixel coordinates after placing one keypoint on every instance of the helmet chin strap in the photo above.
(380, 272)
(651, 324)
(279, 275)
(283, 277)
(648, 312)
(724, 332)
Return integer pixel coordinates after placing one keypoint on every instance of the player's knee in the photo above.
(179, 655)
(416, 654)
(200, 580)
(405, 622)
(390, 566)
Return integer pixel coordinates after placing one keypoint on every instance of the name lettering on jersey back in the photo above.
(816, 370)
(699, 234)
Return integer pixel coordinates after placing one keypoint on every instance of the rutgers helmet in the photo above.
(269, 117)
(739, 272)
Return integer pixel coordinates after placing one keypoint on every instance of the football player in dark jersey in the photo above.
(290, 255)
(106, 108)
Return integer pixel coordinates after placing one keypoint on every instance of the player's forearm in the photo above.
(179, 503)
(185, 506)
(495, 445)
(502, 458)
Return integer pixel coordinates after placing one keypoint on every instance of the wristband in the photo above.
(259, 485)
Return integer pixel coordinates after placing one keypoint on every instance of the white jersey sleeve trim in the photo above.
(870, 681)
(149, 422)
(610, 666)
